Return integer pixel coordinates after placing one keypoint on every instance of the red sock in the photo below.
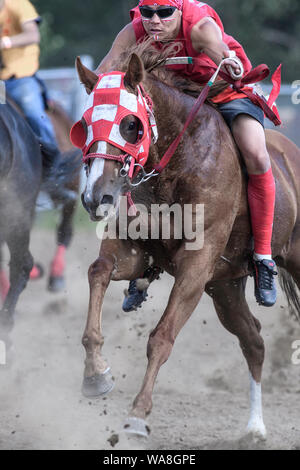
(58, 263)
(261, 197)
(35, 273)
(4, 285)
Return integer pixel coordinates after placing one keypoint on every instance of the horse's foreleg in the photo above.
(114, 262)
(56, 281)
(97, 380)
(185, 295)
(233, 311)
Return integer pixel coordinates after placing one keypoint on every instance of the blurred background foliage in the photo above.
(269, 30)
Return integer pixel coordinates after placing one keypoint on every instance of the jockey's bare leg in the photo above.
(250, 138)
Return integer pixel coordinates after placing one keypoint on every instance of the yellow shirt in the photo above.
(18, 61)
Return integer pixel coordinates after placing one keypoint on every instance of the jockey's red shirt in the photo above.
(192, 12)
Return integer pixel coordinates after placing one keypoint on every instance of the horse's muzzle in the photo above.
(98, 208)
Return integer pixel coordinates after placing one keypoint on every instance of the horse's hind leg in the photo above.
(291, 274)
(115, 262)
(21, 263)
(233, 311)
(56, 281)
(292, 261)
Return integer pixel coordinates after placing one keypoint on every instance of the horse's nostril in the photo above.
(107, 200)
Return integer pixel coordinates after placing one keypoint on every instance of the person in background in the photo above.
(19, 50)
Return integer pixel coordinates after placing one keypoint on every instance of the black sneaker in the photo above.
(265, 288)
(135, 297)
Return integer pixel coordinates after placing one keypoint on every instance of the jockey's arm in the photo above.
(206, 37)
(30, 35)
(125, 39)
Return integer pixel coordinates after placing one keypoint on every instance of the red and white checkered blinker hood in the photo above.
(107, 106)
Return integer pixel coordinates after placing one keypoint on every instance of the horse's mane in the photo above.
(153, 61)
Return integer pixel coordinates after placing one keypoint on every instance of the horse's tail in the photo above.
(291, 291)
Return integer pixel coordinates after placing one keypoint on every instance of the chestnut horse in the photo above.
(205, 169)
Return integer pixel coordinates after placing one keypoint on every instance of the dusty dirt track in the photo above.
(201, 396)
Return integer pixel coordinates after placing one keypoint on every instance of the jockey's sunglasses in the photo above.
(162, 13)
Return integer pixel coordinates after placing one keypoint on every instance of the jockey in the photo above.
(199, 29)
(19, 51)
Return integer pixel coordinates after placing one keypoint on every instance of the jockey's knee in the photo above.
(257, 162)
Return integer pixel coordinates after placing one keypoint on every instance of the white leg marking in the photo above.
(256, 424)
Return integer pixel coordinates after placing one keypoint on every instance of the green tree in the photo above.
(75, 28)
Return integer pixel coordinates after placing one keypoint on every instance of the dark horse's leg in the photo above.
(56, 281)
(115, 262)
(4, 283)
(233, 311)
(21, 263)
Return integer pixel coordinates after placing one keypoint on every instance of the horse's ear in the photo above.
(86, 76)
(135, 73)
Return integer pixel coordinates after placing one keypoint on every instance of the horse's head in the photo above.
(108, 132)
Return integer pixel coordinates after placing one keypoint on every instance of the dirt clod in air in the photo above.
(113, 439)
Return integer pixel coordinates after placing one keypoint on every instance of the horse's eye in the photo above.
(132, 126)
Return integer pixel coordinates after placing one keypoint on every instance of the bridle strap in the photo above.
(106, 156)
(121, 159)
(172, 148)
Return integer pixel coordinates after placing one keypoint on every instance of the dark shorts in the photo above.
(232, 109)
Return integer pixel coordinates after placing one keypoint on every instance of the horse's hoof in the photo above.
(99, 384)
(257, 431)
(56, 284)
(136, 426)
